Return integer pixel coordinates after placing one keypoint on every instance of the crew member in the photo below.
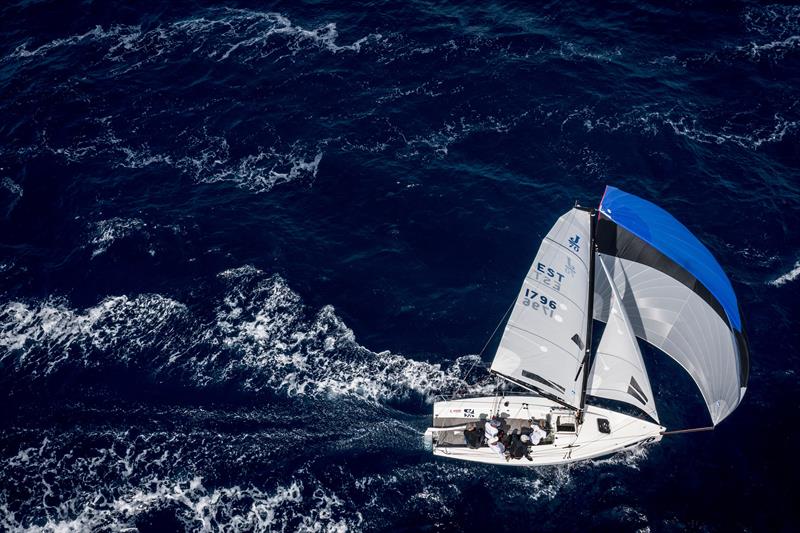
(472, 436)
(496, 446)
(537, 433)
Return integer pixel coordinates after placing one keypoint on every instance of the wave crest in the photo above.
(221, 35)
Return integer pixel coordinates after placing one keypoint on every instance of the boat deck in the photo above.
(455, 436)
(603, 432)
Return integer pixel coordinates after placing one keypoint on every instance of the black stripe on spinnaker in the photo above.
(615, 240)
(744, 355)
(612, 239)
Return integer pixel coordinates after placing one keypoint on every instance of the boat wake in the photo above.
(127, 481)
(258, 340)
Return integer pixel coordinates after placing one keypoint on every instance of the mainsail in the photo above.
(675, 294)
(618, 372)
(544, 340)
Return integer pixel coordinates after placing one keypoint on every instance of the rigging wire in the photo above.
(480, 354)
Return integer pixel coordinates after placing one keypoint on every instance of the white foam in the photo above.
(649, 119)
(543, 483)
(12, 187)
(265, 170)
(572, 51)
(38, 338)
(759, 257)
(270, 25)
(222, 34)
(431, 89)
(16, 192)
(439, 141)
(95, 478)
(776, 49)
(773, 20)
(95, 34)
(767, 134)
(207, 158)
(105, 232)
(792, 275)
(287, 506)
(261, 338)
(266, 325)
(141, 158)
(630, 458)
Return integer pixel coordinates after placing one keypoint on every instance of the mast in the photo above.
(586, 365)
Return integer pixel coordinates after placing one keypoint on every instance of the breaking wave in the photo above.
(779, 23)
(774, 49)
(260, 172)
(206, 158)
(107, 231)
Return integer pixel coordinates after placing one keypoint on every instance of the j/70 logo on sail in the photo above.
(469, 413)
(574, 243)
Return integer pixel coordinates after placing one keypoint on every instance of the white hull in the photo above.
(585, 441)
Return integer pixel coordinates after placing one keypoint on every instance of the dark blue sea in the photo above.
(243, 247)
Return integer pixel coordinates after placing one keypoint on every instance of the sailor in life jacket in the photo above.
(491, 429)
(496, 446)
(537, 433)
(518, 447)
(472, 436)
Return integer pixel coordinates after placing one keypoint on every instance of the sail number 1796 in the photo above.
(535, 300)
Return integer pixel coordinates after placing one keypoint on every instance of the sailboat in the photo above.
(633, 266)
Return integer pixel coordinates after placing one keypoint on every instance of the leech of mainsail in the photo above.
(618, 372)
(544, 340)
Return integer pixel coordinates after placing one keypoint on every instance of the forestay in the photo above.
(675, 294)
(618, 372)
(543, 342)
